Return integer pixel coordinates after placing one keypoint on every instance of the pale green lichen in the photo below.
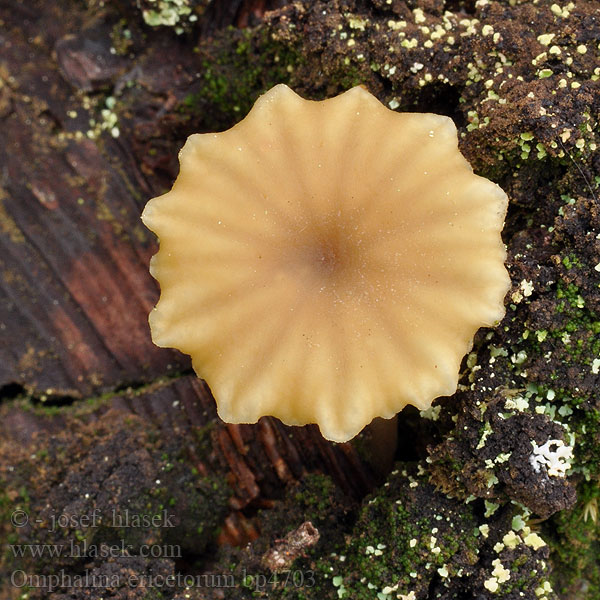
(168, 13)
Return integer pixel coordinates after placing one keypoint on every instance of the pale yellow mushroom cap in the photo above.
(327, 262)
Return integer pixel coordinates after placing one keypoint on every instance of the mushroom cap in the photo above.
(327, 262)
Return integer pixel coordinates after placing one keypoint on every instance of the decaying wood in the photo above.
(257, 461)
(75, 291)
(74, 284)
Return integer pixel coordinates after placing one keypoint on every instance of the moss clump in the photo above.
(575, 542)
(577, 327)
(315, 498)
(105, 491)
(406, 535)
(236, 68)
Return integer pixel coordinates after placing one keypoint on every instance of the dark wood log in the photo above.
(75, 290)
(94, 105)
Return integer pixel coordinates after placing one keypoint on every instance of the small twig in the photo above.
(293, 545)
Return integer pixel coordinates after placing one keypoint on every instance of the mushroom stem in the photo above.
(382, 442)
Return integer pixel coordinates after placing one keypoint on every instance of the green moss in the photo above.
(571, 261)
(349, 75)
(14, 501)
(586, 426)
(168, 506)
(203, 437)
(234, 75)
(582, 326)
(514, 155)
(314, 496)
(575, 543)
(404, 530)
(120, 36)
